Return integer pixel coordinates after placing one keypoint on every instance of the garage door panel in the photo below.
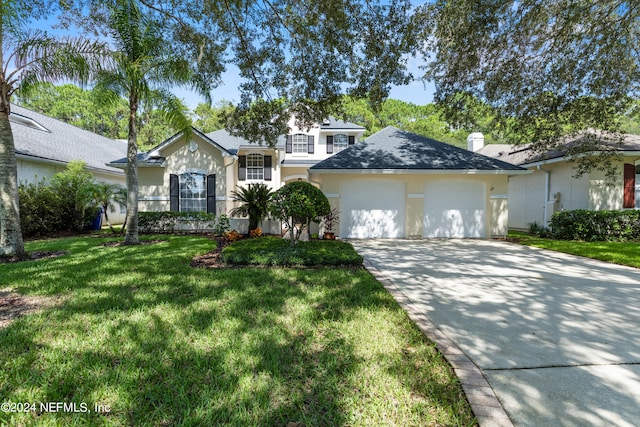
(455, 208)
(372, 209)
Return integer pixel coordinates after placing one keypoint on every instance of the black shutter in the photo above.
(352, 140)
(267, 168)
(174, 193)
(330, 145)
(242, 168)
(289, 144)
(211, 193)
(310, 139)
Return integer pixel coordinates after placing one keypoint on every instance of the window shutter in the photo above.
(310, 140)
(267, 168)
(174, 193)
(629, 186)
(211, 193)
(330, 145)
(352, 140)
(289, 144)
(242, 168)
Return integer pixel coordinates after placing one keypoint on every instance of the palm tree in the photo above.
(28, 58)
(255, 199)
(145, 66)
(105, 194)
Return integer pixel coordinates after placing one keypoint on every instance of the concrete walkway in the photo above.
(556, 337)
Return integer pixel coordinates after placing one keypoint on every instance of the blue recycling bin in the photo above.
(96, 224)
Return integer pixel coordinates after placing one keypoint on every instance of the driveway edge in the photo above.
(484, 403)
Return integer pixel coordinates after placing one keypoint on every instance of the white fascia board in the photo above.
(420, 172)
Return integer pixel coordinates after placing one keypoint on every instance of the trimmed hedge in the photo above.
(166, 222)
(275, 251)
(596, 225)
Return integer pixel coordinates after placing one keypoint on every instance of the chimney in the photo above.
(475, 141)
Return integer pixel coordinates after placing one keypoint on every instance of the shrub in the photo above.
(75, 188)
(166, 222)
(538, 230)
(39, 209)
(274, 251)
(256, 233)
(596, 225)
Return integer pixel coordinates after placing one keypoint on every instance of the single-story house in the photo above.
(44, 147)
(551, 186)
(393, 184)
(397, 184)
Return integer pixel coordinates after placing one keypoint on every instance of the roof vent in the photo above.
(326, 122)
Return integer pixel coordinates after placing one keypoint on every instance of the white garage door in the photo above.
(372, 208)
(455, 208)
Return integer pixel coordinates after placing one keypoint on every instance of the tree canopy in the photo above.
(548, 68)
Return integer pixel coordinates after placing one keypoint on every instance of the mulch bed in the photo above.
(212, 259)
(142, 242)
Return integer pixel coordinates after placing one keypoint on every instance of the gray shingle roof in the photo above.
(524, 155)
(234, 143)
(41, 137)
(335, 124)
(392, 148)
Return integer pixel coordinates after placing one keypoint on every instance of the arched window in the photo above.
(193, 192)
(255, 166)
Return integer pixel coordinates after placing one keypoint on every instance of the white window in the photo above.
(340, 142)
(300, 143)
(193, 192)
(255, 166)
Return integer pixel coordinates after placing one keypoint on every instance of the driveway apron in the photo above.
(556, 336)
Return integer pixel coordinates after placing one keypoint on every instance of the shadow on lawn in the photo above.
(162, 343)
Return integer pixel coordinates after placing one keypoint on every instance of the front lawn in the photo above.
(153, 341)
(624, 253)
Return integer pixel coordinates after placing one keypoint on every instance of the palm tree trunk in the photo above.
(11, 243)
(131, 174)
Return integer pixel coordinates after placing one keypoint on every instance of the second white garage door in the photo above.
(372, 208)
(455, 208)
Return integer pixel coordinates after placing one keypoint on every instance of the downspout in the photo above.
(546, 195)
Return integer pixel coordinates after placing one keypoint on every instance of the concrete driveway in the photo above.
(557, 337)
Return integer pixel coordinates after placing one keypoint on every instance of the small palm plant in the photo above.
(255, 199)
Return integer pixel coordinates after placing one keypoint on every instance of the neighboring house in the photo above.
(44, 147)
(201, 173)
(552, 187)
(397, 184)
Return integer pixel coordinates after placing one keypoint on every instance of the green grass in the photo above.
(623, 253)
(273, 251)
(162, 343)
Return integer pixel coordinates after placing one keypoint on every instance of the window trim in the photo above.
(299, 143)
(192, 204)
(255, 167)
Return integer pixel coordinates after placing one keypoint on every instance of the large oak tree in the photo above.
(548, 67)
